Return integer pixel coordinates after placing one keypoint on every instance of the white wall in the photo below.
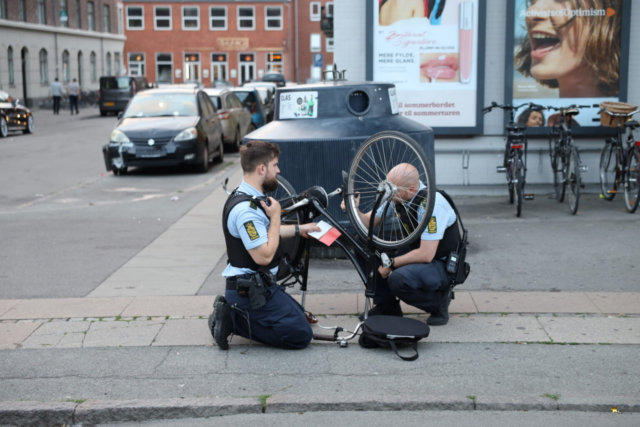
(485, 152)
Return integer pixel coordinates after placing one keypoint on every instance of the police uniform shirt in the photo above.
(250, 223)
(443, 216)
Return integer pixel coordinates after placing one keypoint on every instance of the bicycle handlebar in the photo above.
(570, 106)
(508, 107)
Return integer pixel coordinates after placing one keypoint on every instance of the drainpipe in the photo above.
(296, 30)
(55, 37)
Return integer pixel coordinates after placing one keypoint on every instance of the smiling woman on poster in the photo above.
(573, 46)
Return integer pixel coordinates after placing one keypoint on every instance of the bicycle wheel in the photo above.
(608, 171)
(559, 175)
(518, 191)
(573, 181)
(631, 177)
(381, 154)
(293, 246)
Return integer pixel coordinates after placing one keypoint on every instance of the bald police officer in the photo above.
(254, 306)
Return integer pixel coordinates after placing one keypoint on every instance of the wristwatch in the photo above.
(297, 230)
(392, 262)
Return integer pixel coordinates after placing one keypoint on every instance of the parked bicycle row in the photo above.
(619, 161)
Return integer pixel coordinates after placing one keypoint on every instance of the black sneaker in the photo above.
(212, 317)
(384, 309)
(223, 324)
(441, 317)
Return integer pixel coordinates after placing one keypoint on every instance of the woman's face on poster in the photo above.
(535, 119)
(556, 50)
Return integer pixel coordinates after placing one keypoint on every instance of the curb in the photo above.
(90, 413)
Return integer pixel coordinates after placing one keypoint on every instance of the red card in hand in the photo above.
(330, 236)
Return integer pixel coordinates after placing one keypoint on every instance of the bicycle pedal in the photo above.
(501, 169)
(529, 196)
(584, 168)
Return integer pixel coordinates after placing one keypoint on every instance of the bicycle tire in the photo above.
(631, 181)
(573, 181)
(559, 175)
(511, 193)
(368, 171)
(293, 246)
(607, 173)
(518, 192)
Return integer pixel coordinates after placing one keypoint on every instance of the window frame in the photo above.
(141, 18)
(155, 18)
(22, 11)
(315, 17)
(66, 72)
(117, 63)
(64, 5)
(281, 63)
(11, 66)
(280, 18)
(185, 65)
(78, 14)
(158, 62)
(143, 62)
(253, 18)
(225, 63)
(197, 7)
(91, 16)
(226, 18)
(41, 12)
(311, 47)
(3, 9)
(326, 8)
(106, 18)
(108, 64)
(43, 57)
(93, 66)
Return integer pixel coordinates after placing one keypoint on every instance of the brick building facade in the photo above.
(206, 40)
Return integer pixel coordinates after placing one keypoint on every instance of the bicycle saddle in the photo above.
(515, 127)
(570, 111)
(632, 124)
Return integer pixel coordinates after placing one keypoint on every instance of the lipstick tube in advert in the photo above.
(466, 41)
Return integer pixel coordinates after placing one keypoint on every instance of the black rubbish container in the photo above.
(319, 127)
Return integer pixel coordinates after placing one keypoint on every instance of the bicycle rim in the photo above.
(291, 247)
(608, 168)
(573, 182)
(559, 174)
(631, 186)
(368, 174)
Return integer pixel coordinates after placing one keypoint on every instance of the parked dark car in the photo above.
(236, 119)
(252, 101)
(116, 92)
(165, 127)
(276, 78)
(14, 116)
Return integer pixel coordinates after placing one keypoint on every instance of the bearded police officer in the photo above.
(417, 275)
(254, 306)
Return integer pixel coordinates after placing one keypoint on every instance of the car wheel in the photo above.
(203, 167)
(30, 128)
(120, 171)
(4, 129)
(220, 157)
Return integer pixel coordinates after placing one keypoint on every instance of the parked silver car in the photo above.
(235, 118)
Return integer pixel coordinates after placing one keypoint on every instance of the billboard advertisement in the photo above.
(566, 52)
(433, 51)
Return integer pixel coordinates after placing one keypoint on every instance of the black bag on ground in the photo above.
(388, 331)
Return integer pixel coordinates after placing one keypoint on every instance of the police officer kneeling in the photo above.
(417, 275)
(254, 306)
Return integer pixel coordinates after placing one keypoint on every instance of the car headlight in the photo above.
(186, 135)
(118, 137)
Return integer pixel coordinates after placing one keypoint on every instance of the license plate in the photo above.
(150, 153)
(109, 104)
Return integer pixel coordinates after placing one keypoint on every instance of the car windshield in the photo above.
(162, 105)
(246, 97)
(115, 82)
(216, 102)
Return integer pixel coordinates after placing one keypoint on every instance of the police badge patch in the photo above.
(433, 225)
(251, 230)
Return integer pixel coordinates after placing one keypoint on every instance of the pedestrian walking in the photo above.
(74, 95)
(56, 91)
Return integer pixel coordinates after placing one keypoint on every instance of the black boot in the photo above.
(223, 324)
(212, 317)
(440, 316)
(384, 309)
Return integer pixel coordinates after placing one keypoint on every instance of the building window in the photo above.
(65, 66)
(91, 17)
(117, 66)
(64, 14)
(3, 9)
(329, 44)
(164, 68)
(44, 67)
(329, 10)
(246, 18)
(191, 67)
(135, 18)
(316, 42)
(315, 11)
(191, 18)
(93, 69)
(219, 67)
(275, 63)
(107, 19)
(273, 18)
(108, 63)
(136, 64)
(80, 72)
(41, 11)
(12, 77)
(78, 14)
(162, 17)
(22, 11)
(218, 18)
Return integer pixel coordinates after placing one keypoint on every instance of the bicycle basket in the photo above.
(608, 119)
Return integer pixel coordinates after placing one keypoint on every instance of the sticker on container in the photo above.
(298, 105)
(393, 99)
